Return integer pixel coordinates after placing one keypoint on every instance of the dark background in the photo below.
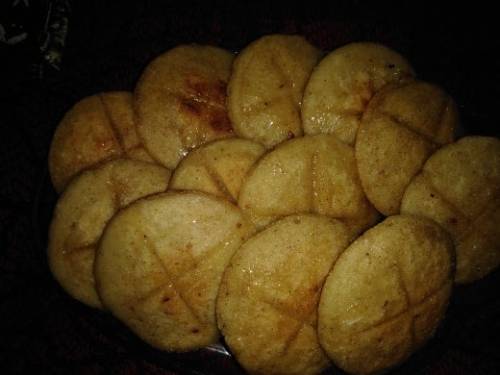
(109, 43)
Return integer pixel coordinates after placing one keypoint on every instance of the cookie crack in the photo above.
(218, 181)
(409, 310)
(116, 134)
(451, 205)
(285, 312)
(400, 122)
(313, 205)
(154, 251)
(207, 101)
(82, 248)
(406, 294)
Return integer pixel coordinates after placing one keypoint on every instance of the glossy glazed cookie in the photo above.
(266, 307)
(343, 83)
(266, 87)
(311, 174)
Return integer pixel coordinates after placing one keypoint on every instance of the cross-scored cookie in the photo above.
(401, 127)
(218, 168)
(343, 83)
(266, 307)
(180, 101)
(266, 87)
(160, 262)
(386, 294)
(82, 212)
(459, 187)
(97, 128)
(311, 174)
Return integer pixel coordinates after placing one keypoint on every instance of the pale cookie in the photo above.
(311, 174)
(97, 128)
(401, 127)
(83, 210)
(343, 83)
(160, 262)
(180, 101)
(266, 87)
(386, 294)
(266, 307)
(218, 168)
(459, 187)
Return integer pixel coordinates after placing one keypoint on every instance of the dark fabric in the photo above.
(108, 44)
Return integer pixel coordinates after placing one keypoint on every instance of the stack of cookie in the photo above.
(308, 207)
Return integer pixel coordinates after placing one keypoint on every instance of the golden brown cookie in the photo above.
(401, 127)
(266, 307)
(180, 101)
(343, 83)
(266, 87)
(386, 294)
(82, 212)
(160, 262)
(310, 174)
(97, 128)
(218, 167)
(459, 187)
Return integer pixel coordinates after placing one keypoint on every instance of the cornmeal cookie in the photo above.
(266, 87)
(217, 168)
(83, 210)
(311, 174)
(97, 128)
(386, 294)
(343, 83)
(459, 187)
(180, 101)
(266, 307)
(160, 262)
(401, 127)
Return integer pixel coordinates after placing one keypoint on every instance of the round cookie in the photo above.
(266, 87)
(401, 127)
(266, 307)
(459, 187)
(83, 210)
(386, 294)
(160, 262)
(180, 101)
(97, 128)
(310, 174)
(343, 83)
(217, 168)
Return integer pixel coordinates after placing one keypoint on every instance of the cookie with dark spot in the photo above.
(160, 262)
(180, 101)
